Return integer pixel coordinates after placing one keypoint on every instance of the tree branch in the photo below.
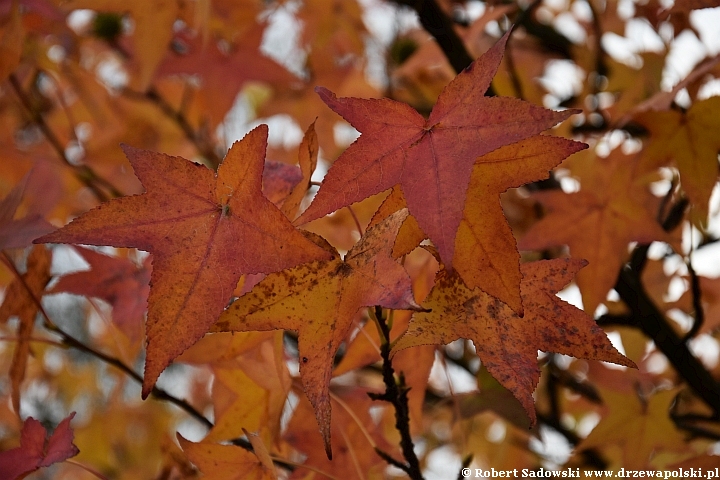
(83, 173)
(396, 394)
(440, 26)
(654, 324)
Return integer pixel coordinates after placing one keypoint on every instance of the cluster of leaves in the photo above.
(308, 327)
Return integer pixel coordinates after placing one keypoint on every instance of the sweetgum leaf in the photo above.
(506, 343)
(430, 159)
(320, 301)
(204, 231)
(599, 221)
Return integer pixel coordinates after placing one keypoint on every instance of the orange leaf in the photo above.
(485, 253)
(320, 301)
(225, 462)
(204, 232)
(506, 343)
(23, 303)
(642, 425)
(686, 139)
(430, 159)
(598, 222)
(307, 159)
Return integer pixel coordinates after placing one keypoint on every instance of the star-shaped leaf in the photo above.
(204, 231)
(430, 159)
(506, 343)
(320, 301)
(599, 221)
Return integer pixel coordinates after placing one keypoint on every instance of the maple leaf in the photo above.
(641, 422)
(204, 230)
(116, 280)
(506, 343)
(430, 159)
(307, 161)
(224, 73)
(687, 139)
(21, 299)
(320, 301)
(353, 427)
(228, 462)
(250, 390)
(486, 254)
(598, 222)
(36, 450)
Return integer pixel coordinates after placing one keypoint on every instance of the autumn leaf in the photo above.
(36, 450)
(12, 35)
(307, 161)
(227, 462)
(21, 300)
(20, 232)
(250, 390)
(599, 221)
(223, 72)
(640, 421)
(430, 159)
(118, 281)
(506, 343)
(353, 431)
(486, 254)
(320, 301)
(204, 230)
(686, 139)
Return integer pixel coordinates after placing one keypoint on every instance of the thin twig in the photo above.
(440, 26)
(653, 323)
(83, 173)
(205, 149)
(71, 341)
(157, 393)
(396, 394)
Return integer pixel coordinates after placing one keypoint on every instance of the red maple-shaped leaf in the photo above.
(320, 302)
(36, 450)
(204, 230)
(506, 343)
(430, 159)
(118, 281)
